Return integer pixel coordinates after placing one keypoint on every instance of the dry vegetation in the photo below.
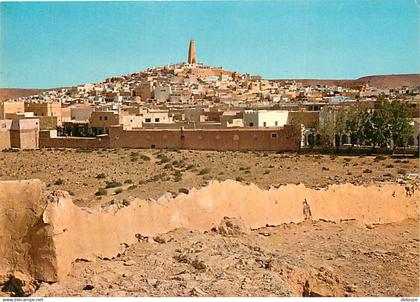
(100, 176)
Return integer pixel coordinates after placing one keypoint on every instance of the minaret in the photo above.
(192, 57)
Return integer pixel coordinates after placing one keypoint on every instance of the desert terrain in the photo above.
(11, 93)
(152, 173)
(311, 258)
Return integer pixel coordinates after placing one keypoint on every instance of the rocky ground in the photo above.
(151, 173)
(313, 258)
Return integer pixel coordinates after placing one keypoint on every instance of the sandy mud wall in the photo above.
(63, 232)
(103, 233)
(26, 244)
(205, 139)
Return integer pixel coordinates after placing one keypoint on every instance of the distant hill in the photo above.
(380, 81)
(11, 93)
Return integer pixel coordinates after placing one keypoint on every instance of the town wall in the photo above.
(206, 139)
(274, 139)
(47, 140)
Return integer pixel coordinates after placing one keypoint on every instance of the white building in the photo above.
(265, 118)
(132, 121)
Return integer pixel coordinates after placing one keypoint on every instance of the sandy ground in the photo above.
(307, 259)
(169, 171)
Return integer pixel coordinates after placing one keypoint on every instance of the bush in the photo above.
(204, 171)
(367, 171)
(118, 191)
(239, 178)
(402, 171)
(387, 175)
(84, 150)
(178, 176)
(132, 187)
(59, 182)
(100, 192)
(101, 176)
(168, 166)
(144, 157)
(128, 181)
(112, 184)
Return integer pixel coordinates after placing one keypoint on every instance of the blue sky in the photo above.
(53, 44)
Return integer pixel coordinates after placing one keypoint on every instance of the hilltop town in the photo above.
(188, 96)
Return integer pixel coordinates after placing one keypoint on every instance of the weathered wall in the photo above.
(26, 246)
(274, 139)
(75, 233)
(73, 142)
(5, 134)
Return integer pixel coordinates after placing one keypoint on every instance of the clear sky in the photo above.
(53, 44)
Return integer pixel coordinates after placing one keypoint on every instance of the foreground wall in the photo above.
(42, 235)
(26, 245)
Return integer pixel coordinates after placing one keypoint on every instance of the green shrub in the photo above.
(168, 166)
(101, 191)
(118, 191)
(239, 178)
(144, 157)
(112, 184)
(59, 182)
(204, 171)
(402, 171)
(128, 181)
(101, 176)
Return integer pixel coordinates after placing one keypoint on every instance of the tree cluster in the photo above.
(386, 126)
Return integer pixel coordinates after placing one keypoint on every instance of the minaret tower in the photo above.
(192, 57)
